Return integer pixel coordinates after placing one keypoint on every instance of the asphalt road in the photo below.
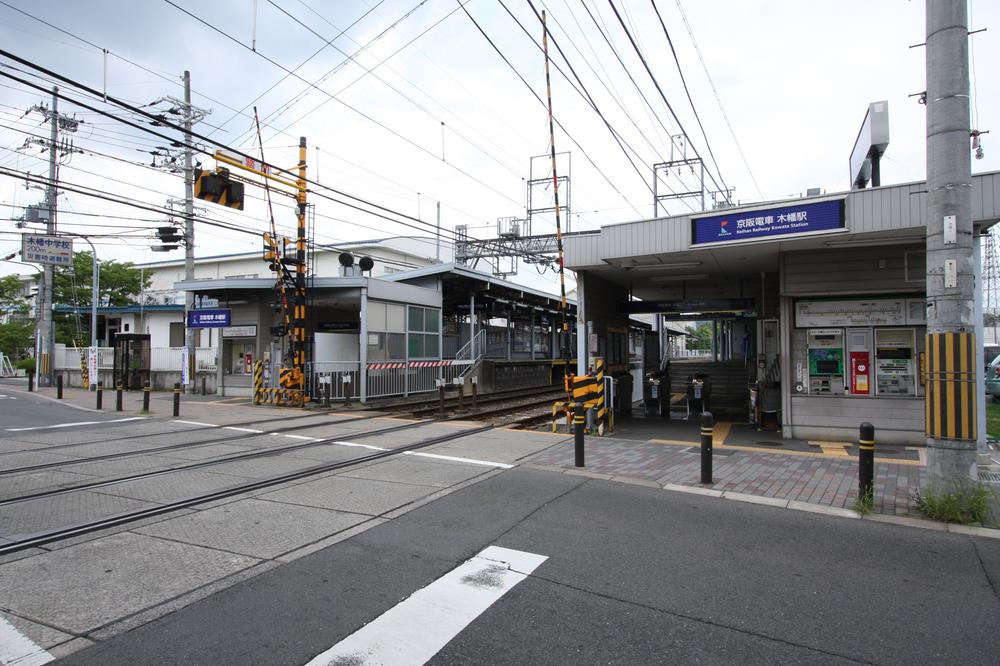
(633, 575)
(20, 409)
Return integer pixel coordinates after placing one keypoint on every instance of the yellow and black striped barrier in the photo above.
(258, 381)
(950, 394)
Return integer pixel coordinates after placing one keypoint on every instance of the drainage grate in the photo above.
(990, 477)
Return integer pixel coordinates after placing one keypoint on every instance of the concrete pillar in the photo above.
(950, 308)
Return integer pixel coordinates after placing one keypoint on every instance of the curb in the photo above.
(779, 503)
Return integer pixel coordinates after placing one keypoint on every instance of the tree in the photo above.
(701, 336)
(119, 283)
(17, 327)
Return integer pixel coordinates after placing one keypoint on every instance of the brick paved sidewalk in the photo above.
(808, 477)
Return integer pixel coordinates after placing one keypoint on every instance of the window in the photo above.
(423, 328)
(386, 331)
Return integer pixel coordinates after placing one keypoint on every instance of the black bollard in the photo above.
(707, 423)
(475, 392)
(100, 394)
(59, 386)
(348, 390)
(177, 399)
(145, 398)
(461, 396)
(866, 460)
(441, 398)
(203, 382)
(579, 423)
(118, 398)
(31, 381)
(327, 389)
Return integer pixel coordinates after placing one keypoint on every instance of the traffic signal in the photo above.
(170, 237)
(219, 188)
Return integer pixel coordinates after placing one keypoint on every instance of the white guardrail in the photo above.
(161, 359)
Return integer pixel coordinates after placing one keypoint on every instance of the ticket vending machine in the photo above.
(859, 351)
(894, 356)
(826, 361)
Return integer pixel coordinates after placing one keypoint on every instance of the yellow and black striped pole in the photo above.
(866, 461)
(299, 326)
(950, 397)
(258, 381)
(602, 409)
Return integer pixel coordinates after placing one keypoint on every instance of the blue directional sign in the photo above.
(209, 318)
(790, 220)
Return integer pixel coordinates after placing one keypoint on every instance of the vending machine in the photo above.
(826, 361)
(894, 356)
(859, 346)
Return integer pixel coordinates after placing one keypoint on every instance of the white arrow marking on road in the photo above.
(415, 629)
(78, 423)
(16, 648)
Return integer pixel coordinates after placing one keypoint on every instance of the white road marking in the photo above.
(7, 397)
(470, 461)
(258, 432)
(300, 437)
(363, 446)
(16, 648)
(78, 423)
(197, 423)
(415, 629)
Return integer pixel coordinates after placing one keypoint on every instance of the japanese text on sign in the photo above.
(47, 250)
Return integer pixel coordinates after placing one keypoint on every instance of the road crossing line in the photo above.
(78, 423)
(16, 648)
(415, 629)
(470, 461)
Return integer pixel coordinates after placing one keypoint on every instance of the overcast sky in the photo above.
(794, 80)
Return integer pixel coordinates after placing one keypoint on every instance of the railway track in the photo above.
(16, 541)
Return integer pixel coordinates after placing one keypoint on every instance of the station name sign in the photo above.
(209, 318)
(791, 220)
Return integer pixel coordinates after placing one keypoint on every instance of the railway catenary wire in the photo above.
(238, 457)
(169, 447)
(48, 536)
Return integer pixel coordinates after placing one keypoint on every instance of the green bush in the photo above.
(27, 364)
(865, 504)
(967, 504)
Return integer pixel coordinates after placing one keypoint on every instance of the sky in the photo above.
(406, 103)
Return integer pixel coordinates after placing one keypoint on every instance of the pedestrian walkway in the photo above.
(823, 473)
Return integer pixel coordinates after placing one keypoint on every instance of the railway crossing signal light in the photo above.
(219, 188)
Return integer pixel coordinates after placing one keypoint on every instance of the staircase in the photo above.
(729, 384)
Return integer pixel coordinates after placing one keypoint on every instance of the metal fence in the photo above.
(341, 375)
(161, 359)
(387, 378)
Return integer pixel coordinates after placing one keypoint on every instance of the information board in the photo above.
(860, 312)
(209, 318)
(790, 220)
(46, 250)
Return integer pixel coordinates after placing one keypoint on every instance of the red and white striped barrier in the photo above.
(413, 364)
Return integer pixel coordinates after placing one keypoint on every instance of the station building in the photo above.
(818, 301)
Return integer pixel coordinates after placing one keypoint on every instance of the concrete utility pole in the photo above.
(952, 349)
(47, 324)
(188, 225)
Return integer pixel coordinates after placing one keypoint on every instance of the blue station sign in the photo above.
(208, 318)
(791, 220)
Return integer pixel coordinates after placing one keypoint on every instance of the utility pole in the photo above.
(188, 226)
(952, 350)
(48, 328)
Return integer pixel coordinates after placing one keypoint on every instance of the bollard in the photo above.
(327, 388)
(177, 399)
(579, 423)
(203, 382)
(145, 398)
(461, 396)
(31, 381)
(866, 461)
(707, 423)
(441, 397)
(475, 392)
(59, 386)
(347, 390)
(118, 398)
(100, 394)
